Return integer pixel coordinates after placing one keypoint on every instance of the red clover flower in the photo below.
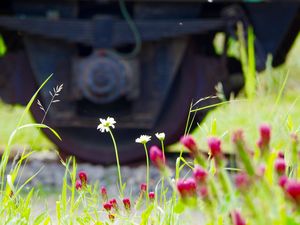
(126, 202)
(157, 157)
(237, 218)
(189, 142)
(78, 185)
(200, 174)
(214, 145)
(186, 188)
(292, 188)
(83, 177)
(107, 206)
(280, 166)
(151, 195)
(104, 193)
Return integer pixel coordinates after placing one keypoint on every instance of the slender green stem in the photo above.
(118, 163)
(148, 171)
(163, 178)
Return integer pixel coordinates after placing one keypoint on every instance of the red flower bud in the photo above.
(280, 155)
(238, 136)
(200, 174)
(107, 206)
(114, 203)
(203, 192)
(151, 195)
(189, 142)
(280, 165)
(78, 185)
(126, 202)
(265, 136)
(282, 181)
(143, 187)
(186, 188)
(241, 180)
(104, 193)
(237, 218)
(214, 145)
(83, 177)
(157, 157)
(292, 188)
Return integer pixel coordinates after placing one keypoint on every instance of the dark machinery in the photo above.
(140, 61)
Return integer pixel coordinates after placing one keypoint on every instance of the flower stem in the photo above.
(163, 178)
(147, 171)
(118, 163)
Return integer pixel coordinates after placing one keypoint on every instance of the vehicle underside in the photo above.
(141, 62)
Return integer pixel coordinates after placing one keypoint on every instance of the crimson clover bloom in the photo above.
(186, 188)
(151, 195)
(280, 155)
(78, 185)
(292, 188)
(107, 206)
(203, 192)
(237, 218)
(104, 193)
(265, 136)
(114, 203)
(83, 177)
(157, 157)
(282, 181)
(241, 180)
(214, 145)
(200, 174)
(189, 142)
(126, 202)
(280, 166)
(143, 187)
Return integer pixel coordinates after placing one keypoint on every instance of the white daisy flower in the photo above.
(143, 139)
(105, 124)
(160, 136)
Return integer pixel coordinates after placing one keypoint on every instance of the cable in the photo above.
(138, 42)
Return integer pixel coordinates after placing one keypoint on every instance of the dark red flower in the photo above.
(186, 188)
(203, 192)
(83, 177)
(103, 192)
(189, 142)
(126, 202)
(151, 195)
(114, 203)
(241, 180)
(200, 174)
(78, 185)
(143, 187)
(282, 181)
(107, 206)
(214, 145)
(238, 136)
(280, 165)
(237, 218)
(157, 157)
(265, 136)
(280, 155)
(292, 188)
